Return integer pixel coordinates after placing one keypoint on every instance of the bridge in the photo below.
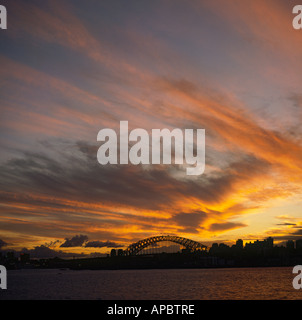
(136, 247)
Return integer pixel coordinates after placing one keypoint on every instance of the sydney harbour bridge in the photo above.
(190, 245)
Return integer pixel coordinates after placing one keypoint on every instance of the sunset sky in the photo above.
(70, 68)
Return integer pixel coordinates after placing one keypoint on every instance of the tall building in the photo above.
(239, 244)
(269, 242)
(290, 244)
(264, 244)
(299, 244)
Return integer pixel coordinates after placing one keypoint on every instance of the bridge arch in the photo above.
(189, 244)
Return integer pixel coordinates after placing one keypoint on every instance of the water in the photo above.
(172, 284)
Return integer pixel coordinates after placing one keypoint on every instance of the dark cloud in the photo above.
(226, 226)
(76, 241)
(298, 232)
(89, 150)
(103, 244)
(52, 243)
(77, 178)
(43, 252)
(296, 235)
(2, 244)
(189, 221)
(74, 189)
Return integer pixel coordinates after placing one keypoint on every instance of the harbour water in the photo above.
(155, 284)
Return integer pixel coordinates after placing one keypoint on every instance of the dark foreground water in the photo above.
(179, 284)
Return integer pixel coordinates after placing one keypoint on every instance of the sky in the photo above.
(70, 68)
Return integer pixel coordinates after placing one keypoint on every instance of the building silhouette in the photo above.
(250, 254)
(239, 244)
